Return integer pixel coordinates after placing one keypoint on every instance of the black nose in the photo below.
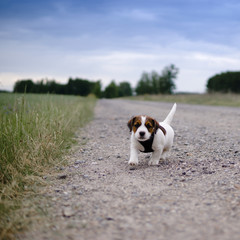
(141, 134)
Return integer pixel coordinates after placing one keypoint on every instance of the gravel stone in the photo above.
(62, 176)
(67, 212)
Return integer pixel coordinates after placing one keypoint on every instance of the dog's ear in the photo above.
(158, 126)
(130, 123)
(163, 129)
(155, 125)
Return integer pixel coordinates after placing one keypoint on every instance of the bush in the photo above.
(224, 82)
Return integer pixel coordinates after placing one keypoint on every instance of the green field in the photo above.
(35, 132)
(232, 100)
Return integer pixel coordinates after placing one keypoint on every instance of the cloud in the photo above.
(136, 14)
(216, 60)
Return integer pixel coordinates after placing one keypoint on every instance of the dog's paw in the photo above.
(133, 162)
(153, 162)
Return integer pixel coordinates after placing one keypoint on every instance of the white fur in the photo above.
(161, 143)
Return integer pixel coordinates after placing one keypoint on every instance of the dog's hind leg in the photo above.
(164, 154)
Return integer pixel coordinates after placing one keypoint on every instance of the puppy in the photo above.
(148, 135)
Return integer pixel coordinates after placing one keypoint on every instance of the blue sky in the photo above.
(108, 39)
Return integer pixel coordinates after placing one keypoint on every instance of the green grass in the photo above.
(232, 100)
(35, 132)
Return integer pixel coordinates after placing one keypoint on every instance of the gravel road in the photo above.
(195, 194)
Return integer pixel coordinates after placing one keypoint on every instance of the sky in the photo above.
(118, 40)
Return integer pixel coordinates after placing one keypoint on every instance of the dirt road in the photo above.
(195, 194)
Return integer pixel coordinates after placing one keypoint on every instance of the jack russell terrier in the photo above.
(148, 135)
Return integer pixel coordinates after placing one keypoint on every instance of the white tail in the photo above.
(169, 117)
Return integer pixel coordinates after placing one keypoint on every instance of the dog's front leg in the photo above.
(155, 157)
(133, 156)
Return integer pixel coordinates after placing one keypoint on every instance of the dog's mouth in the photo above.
(142, 138)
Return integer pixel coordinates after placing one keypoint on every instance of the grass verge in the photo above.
(232, 100)
(35, 132)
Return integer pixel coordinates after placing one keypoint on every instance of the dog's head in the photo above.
(143, 127)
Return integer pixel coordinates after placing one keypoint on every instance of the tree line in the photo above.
(77, 86)
(224, 82)
(149, 83)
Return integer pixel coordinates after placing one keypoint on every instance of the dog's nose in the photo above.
(141, 134)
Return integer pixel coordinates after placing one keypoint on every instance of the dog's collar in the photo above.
(148, 143)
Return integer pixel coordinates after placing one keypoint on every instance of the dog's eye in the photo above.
(137, 125)
(148, 125)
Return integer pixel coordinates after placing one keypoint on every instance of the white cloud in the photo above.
(216, 60)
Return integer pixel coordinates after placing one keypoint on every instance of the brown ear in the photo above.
(163, 129)
(130, 123)
(156, 125)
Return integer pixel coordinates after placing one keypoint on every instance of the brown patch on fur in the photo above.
(134, 123)
(151, 124)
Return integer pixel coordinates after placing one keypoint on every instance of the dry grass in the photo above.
(232, 100)
(35, 132)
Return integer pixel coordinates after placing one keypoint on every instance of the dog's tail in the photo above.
(169, 117)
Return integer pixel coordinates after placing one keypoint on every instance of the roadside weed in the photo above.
(35, 132)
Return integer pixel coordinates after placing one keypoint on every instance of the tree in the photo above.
(41, 86)
(224, 82)
(97, 89)
(124, 89)
(54, 87)
(111, 91)
(22, 86)
(144, 85)
(154, 83)
(166, 81)
(79, 86)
